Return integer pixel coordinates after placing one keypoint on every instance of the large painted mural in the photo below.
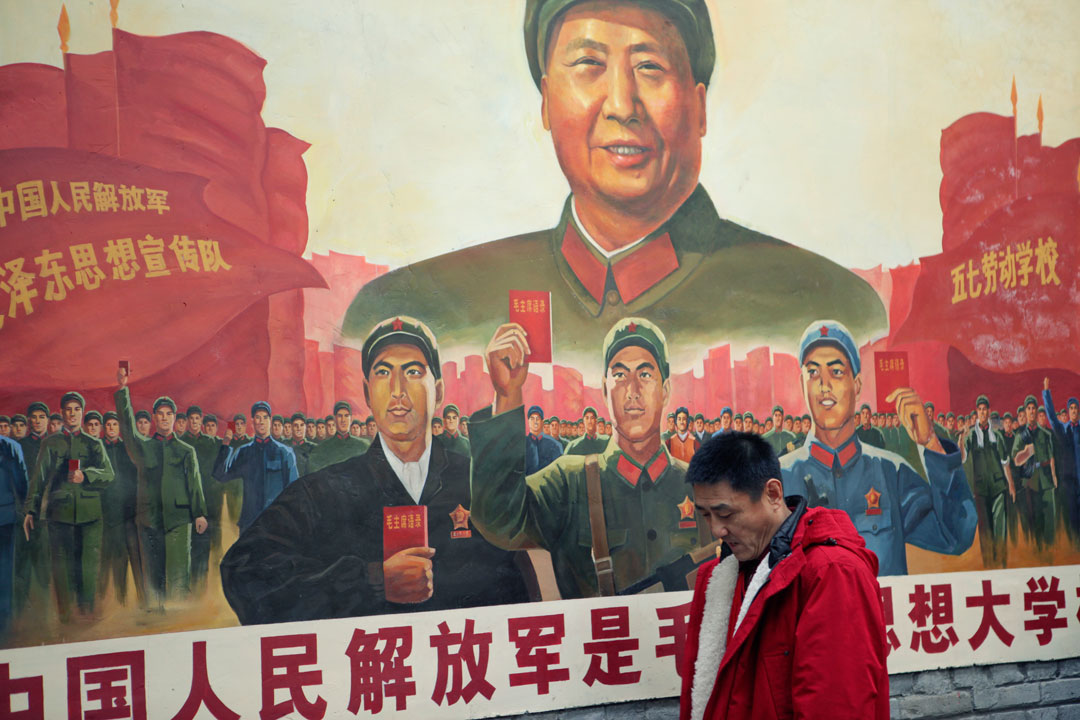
(405, 321)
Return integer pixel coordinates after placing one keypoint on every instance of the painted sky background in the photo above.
(824, 118)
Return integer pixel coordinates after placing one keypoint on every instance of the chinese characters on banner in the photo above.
(502, 660)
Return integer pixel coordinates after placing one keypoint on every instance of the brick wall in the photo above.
(1013, 691)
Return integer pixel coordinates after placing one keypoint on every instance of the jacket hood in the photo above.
(824, 526)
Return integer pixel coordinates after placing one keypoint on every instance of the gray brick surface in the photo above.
(971, 677)
(1058, 692)
(1040, 671)
(933, 682)
(1069, 668)
(1069, 712)
(928, 706)
(1009, 696)
(1006, 674)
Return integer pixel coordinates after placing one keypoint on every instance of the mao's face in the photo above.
(619, 98)
(635, 393)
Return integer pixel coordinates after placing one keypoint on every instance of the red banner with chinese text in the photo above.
(154, 271)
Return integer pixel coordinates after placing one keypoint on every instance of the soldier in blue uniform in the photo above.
(1068, 434)
(540, 449)
(889, 503)
(13, 487)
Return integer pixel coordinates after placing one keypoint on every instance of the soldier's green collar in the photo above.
(632, 472)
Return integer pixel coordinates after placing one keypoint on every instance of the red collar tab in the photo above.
(341, 435)
(841, 457)
(162, 438)
(262, 440)
(634, 274)
(76, 431)
(634, 474)
(631, 473)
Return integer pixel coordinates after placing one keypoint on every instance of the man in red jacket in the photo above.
(809, 642)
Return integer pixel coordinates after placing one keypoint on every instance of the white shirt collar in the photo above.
(589, 239)
(412, 475)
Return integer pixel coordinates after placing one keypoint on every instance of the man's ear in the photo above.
(858, 385)
(367, 397)
(774, 491)
(439, 392)
(544, 103)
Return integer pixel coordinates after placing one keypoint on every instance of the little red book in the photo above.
(74, 464)
(890, 372)
(531, 309)
(404, 526)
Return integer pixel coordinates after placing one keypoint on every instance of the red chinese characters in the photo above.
(936, 609)
(470, 658)
(1044, 600)
(611, 647)
(201, 693)
(110, 686)
(378, 669)
(33, 708)
(677, 618)
(281, 670)
(988, 601)
(533, 636)
(892, 642)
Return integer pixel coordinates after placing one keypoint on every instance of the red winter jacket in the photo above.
(812, 642)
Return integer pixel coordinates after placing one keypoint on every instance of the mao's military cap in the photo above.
(194, 410)
(982, 400)
(725, 411)
(398, 330)
(297, 416)
(643, 334)
(164, 400)
(1030, 400)
(110, 415)
(92, 415)
(690, 17)
(140, 415)
(37, 405)
(72, 395)
(535, 410)
(451, 407)
(210, 418)
(18, 417)
(278, 418)
(261, 405)
(589, 409)
(342, 405)
(830, 332)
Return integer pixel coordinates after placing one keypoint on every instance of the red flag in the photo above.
(191, 102)
(122, 259)
(91, 102)
(285, 182)
(1007, 298)
(32, 106)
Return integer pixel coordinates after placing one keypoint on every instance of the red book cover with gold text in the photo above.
(531, 309)
(404, 526)
(891, 372)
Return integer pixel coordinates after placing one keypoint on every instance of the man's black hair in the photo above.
(744, 460)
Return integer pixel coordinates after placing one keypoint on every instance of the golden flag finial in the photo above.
(1039, 114)
(114, 17)
(1013, 95)
(63, 28)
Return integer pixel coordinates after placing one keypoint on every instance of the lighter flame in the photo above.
(114, 17)
(63, 28)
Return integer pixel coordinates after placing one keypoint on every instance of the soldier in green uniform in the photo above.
(120, 535)
(5, 426)
(950, 426)
(277, 428)
(310, 432)
(781, 441)
(170, 497)
(71, 470)
(451, 437)
(1033, 453)
(234, 489)
(356, 429)
(300, 445)
(987, 465)
(737, 422)
(638, 235)
(341, 445)
(866, 431)
(639, 490)
(18, 427)
(55, 423)
(207, 446)
(321, 430)
(669, 429)
(591, 443)
(180, 424)
(32, 569)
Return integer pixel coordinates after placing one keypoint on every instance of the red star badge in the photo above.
(632, 327)
(396, 324)
(686, 508)
(824, 330)
(873, 502)
(460, 516)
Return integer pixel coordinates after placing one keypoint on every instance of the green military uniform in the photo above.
(301, 447)
(871, 436)
(778, 438)
(1038, 483)
(170, 497)
(120, 536)
(987, 454)
(645, 527)
(586, 445)
(457, 443)
(207, 448)
(234, 489)
(33, 571)
(1012, 507)
(74, 514)
(338, 447)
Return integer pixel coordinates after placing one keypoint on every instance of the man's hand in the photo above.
(76, 476)
(200, 525)
(407, 575)
(27, 526)
(507, 365)
(1046, 383)
(122, 377)
(1024, 455)
(228, 436)
(790, 447)
(910, 409)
